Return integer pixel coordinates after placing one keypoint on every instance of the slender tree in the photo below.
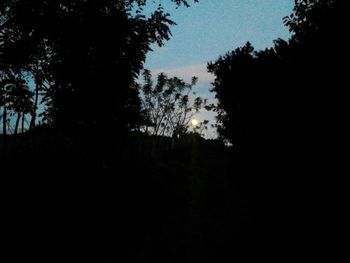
(20, 100)
(169, 104)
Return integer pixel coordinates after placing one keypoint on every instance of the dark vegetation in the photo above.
(108, 170)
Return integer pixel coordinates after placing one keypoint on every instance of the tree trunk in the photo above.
(17, 123)
(4, 130)
(23, 122)
(32, 122)
(4, 117)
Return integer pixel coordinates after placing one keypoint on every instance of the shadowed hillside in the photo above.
(177, 204)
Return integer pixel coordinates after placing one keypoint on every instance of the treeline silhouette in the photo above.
(284, 110)
(95, 180)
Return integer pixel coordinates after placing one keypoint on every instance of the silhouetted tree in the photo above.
(15, 98)
(287, 105)
(39, 69)
(20, 100)
(3, 104)
(229, 89)
(167, 105)
(308, 60)
(244, 86)
(94, 49)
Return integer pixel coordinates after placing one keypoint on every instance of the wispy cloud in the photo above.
(187, 72)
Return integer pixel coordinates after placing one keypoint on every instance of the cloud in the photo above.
(187, 72)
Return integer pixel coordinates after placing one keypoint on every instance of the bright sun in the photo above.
(194, 123)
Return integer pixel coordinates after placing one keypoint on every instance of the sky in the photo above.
(211, 28)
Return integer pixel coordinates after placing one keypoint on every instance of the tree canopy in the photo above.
(88, 53)
(291, 86)
(169, 104)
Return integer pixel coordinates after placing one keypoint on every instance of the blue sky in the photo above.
(211, 28)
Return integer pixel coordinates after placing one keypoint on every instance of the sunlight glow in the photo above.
(194, 123)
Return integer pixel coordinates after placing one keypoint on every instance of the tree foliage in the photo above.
(88, 53)
(290, 89)
(244, 98)
(15, 98)
(168, 104)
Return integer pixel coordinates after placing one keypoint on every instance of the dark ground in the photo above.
(197, 201)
